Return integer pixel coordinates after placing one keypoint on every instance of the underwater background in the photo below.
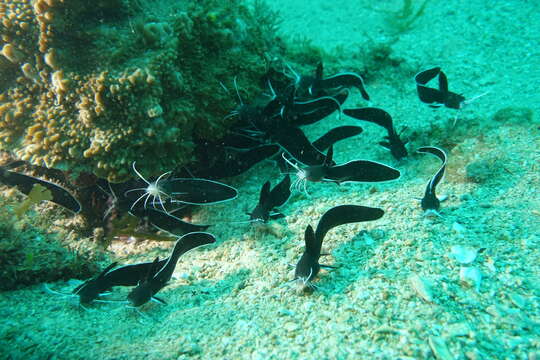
(96, 95)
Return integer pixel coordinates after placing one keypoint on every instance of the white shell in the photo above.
(439, 348)
(471, 275)
(463, 254)
(422, 286)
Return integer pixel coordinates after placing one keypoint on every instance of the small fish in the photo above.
(93, 288)
(344, 79)
(362, 171)
(308, 266)
(233, 162)
(336, 134)
(437, 97)
(191, 191)
(167, 222)
(127, 275)
(25, 183)
(271, 199)
(294, 142)
(160, 273)
(382, 118)
(430, 202)
(324, 142)
(195, 191)
(316, 110)
(286, 109)
(352, 171)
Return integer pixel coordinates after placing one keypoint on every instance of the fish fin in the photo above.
(443, 82)
(281, 192)
(328, 266)
(385, 144)
(313, 247)
(276, 216)
(319, 71)
(152, 270)
(106, 270)
(264, 195)
(159, 300)
(329, 156)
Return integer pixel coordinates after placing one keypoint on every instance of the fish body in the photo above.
(393, 141)
(159, 273)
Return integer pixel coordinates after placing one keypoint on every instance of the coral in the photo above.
(94, 85)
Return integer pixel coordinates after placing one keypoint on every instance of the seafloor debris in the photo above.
(463, 254)
(422, 286)
(439, 348)
(471, 275)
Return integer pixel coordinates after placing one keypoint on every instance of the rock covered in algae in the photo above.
(95, 85)
(31, 250)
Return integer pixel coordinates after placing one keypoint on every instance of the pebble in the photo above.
(517, 300)
(458, 228)
(463, 254)
(471, 275)
(458, 329)
(439, 348)
(422, 286)
(291, 327)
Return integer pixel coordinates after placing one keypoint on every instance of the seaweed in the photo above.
(403, 19)
(30, 254)
(36, 195)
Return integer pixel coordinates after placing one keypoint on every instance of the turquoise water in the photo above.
(106, 105)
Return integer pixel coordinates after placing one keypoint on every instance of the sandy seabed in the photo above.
(397, 292)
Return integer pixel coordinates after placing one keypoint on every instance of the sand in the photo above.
(397, 292)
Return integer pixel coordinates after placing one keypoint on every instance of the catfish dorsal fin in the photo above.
(281, 192)
(152, 270)
(443, 82)
(313, 247)
(106, 270)
(319, 71)
(329, 156)
(265, 192)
